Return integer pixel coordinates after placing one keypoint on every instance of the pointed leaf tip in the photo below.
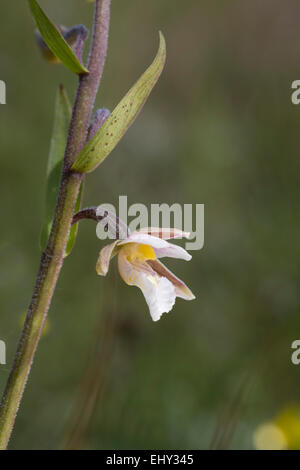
(116, 125)
(54, 40)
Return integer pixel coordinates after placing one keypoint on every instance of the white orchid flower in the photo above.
(139, 265)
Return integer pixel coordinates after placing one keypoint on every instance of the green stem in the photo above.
(51, 264)
(53, 256)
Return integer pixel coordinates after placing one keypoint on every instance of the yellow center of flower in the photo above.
(138, 252)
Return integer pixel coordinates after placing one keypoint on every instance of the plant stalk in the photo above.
(53, 256)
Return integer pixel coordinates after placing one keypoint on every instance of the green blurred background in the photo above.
(219, 129)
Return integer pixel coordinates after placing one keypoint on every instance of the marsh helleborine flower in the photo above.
(139, 266)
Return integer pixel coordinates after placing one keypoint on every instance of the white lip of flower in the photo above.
(139, 266)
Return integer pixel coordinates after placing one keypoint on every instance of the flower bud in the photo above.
(99, 118)
(74, 36)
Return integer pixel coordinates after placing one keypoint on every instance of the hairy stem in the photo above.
(53, 256)
(87, 213)
(89, 84)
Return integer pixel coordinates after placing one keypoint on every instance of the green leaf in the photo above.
(54, 40)
(63, 112)
(74, 228)
(113, 129)
(57, 149)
